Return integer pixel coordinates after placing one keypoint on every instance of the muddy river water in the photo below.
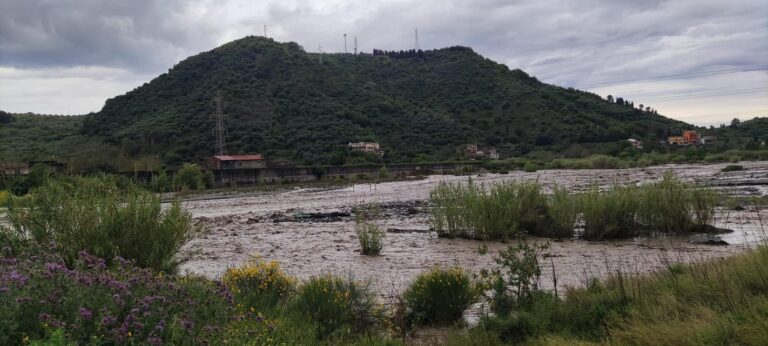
(276, 226)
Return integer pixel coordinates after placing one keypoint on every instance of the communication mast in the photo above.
(221, 148)
(265, 31)
(416, 34)
(345, 43)
(320, 54)
(355, 45)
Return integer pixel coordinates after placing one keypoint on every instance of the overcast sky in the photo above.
(701, 61)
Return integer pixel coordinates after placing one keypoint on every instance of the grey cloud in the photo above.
(140, 34)
(569, 43)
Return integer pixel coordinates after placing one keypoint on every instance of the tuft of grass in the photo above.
(439, 296)
(564, 210)
(732, 168)
(610, 213)
(370, 233)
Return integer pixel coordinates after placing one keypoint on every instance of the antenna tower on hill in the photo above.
(355, 45)
(265, 31)
(345, 43)
(416, 33)
(221, 148)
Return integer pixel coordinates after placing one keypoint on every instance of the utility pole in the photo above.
(416, 33)
(345, 43)
(221, 148)
(355, 45)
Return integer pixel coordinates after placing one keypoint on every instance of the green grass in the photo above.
(105, 216)
(732, 168)
(369, 232)
(499, 211)
(718, 302)
(509, 209)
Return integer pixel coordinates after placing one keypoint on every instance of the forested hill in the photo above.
(286, 103)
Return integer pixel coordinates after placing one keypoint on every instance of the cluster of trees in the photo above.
(5, 117)
(400, 54)
(640, 107)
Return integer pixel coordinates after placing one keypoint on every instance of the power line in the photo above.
(707, 94)
(734, 113)
(677, 76)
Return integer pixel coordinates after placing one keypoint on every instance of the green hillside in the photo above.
(287, 103)
(36, 137)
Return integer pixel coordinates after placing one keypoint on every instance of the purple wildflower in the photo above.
(43, 317)
(187, 324)
(86, 314)
(108, 320)
(153, 340)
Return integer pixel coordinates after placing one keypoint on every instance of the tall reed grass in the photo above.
(498, 212)
(509, 209)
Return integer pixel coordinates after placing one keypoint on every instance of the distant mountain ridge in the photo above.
(286, 103)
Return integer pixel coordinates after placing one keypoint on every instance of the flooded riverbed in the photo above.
(273, 226)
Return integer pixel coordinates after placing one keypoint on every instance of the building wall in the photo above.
(249, 176)
(243, 164)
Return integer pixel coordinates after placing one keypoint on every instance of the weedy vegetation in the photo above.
(509, 209)
(104, 216)
(439, 296)
(369, 230)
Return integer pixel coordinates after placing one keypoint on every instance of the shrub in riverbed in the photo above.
(95, 215)
(4, 197)
(259, 284)
(498, 212)
(369, 232)
(439, 296)
(732, 168)
(337, 305)
(564, 209)
(92, 303)
(610, 213)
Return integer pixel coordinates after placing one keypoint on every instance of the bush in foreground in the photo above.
(439, 296)
(337, 305)
(717, 302)
(259, 284)
(91, 303)
(104, 219)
